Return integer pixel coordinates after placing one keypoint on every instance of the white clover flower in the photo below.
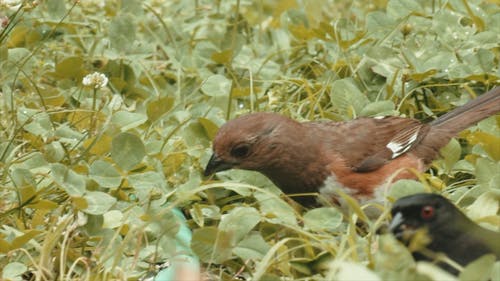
(11, 4)
(273, 98)
(4, 21)
(95, 3)
(96, 80)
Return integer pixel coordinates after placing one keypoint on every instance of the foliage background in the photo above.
(89, 176)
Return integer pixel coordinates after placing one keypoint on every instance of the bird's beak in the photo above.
(396, 224)
(215, 164)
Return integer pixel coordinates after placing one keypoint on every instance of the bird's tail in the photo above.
(450, 124)
(470, 113)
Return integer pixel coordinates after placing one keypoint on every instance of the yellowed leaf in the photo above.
(173, 162)
(223, 57)
(4, 246)
(489, 142)
(19, 241)
(43, 204)
(209, 127)
(17, 36)
(100, 147)
(80, 203)
(158, 107)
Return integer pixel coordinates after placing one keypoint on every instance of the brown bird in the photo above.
(360, 156)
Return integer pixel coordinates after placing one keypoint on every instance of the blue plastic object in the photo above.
(185, 258)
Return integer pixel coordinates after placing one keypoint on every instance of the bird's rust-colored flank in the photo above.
(360, 155)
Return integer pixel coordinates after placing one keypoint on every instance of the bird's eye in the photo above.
(427, 212)
(240, 151)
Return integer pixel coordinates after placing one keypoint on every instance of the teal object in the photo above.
(186, 258)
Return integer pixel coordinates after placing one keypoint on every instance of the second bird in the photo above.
(359, 156)
(449, 230)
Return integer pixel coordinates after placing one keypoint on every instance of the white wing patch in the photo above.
(403, 141)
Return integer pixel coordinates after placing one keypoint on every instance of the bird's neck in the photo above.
(301, 166)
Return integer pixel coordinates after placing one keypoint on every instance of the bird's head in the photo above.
(250, 142)
(429, 212)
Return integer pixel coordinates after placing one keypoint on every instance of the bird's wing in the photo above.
(366, 144)
(490, 239)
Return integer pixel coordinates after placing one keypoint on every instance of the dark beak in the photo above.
(215, 164)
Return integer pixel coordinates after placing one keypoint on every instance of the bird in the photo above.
(359, 157)
(449, 230)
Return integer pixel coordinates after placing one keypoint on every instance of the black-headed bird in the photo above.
(440, 227)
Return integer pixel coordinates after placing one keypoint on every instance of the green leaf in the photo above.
(122, 32)
(56, 9)
(495, 272)
(40, 126)
(98, 202)
(387, 63)
(451, 154)
(184, 191)
(68, 180)
(401, 8)
(13, 271)
(487, 204)
(22, 178)
(104, 174)
(239, 222)
(323, 219)
(267, 69)
(128, 120)
(485, 60)
(346, 97)
(36, 164)
(127, 150)
(216, 86)
(24, 114)
(131, 6)
(157, 107)
(349, 271)
(389, 250)
(275, 210)
(54, 152)
(435, 62)
(486, 171)
(479, 269)
(252, 247)
(112, 219)
(405, 187)
(211, 245)
(148, 183)
(379, 22)
(17, 56)
(199, 212)
(147, 180)
(378, 108)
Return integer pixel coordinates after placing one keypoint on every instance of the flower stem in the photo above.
(94, 112)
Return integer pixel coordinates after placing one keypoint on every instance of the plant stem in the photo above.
(94, 114)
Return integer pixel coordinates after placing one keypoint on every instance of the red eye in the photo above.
(427, 212)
